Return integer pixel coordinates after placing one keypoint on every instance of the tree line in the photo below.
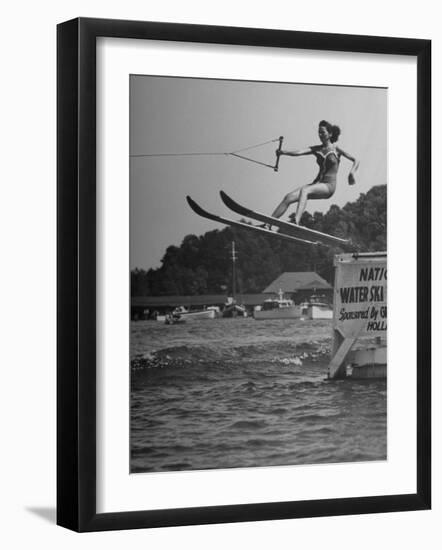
(202, 264)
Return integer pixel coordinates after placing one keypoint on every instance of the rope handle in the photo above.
(278, 156)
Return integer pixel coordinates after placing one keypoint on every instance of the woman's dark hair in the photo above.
(333, 130)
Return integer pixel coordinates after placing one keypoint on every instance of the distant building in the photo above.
(300, 285)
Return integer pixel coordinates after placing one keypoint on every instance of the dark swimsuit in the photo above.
(328, 168)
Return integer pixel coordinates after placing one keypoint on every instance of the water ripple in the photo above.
(225, 394)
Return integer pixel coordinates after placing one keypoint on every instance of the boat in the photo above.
(208, 313)
(232, 309)
(216, 309)
(316, 308)
(174, 319)
(277, 308)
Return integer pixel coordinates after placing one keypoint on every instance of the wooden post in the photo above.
(341, 348)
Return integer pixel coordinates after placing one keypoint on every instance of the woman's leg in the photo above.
(289, 199)
(314, 191)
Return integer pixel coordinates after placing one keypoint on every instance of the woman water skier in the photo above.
(328, 157)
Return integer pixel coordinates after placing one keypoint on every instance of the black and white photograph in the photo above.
(201, 202)
(258, 274)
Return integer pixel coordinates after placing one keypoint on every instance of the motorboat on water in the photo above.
(316, 308)
(174, 319)
(233, 309)
(277, 308)
(186, 314)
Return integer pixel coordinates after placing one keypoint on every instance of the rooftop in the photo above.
(299, 280)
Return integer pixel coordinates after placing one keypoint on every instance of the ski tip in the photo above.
(193, 205)
(197, 208)
(223, 195)
(229, 202)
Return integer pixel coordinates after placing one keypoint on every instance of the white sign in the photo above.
(360, 295)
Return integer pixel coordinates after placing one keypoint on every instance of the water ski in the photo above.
(233, 223)
(289, 228)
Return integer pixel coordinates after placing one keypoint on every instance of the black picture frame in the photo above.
(76, 274)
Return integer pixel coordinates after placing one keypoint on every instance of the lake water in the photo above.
(228, 393)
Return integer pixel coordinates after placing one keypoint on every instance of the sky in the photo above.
(189, 115)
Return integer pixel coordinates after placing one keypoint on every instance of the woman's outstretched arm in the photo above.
(296, 153)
